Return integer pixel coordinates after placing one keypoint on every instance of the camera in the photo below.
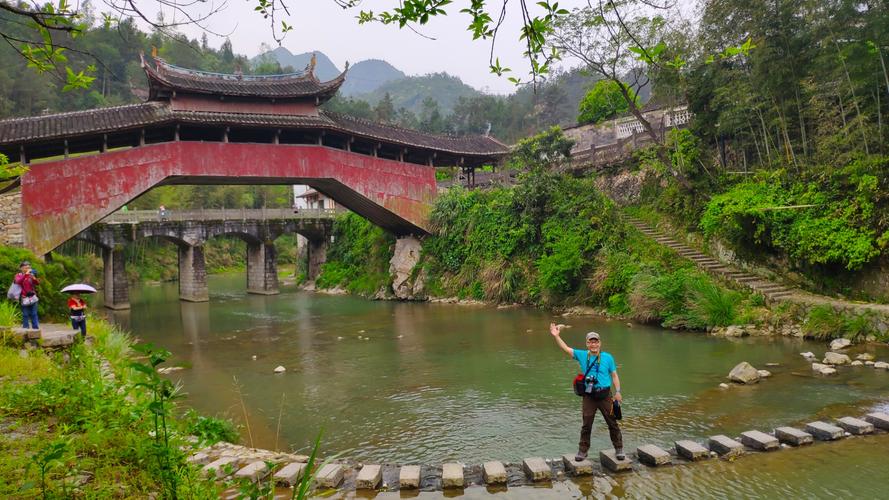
(590, 384)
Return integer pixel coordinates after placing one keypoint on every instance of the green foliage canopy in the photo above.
(604, 101)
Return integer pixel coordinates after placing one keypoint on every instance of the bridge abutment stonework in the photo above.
(190, 236)
(192, 274)
(262, 268)
(117, 293)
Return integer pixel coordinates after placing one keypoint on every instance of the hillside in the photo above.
(410, 92)
(324, 67)
(369, 75)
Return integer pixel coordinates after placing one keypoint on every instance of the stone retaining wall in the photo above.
(11, 219)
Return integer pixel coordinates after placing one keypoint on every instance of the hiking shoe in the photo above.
(619, 454)
(580, 457)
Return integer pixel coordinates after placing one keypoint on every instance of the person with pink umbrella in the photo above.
(77, 306)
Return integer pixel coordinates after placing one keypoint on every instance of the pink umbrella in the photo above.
(79, 288)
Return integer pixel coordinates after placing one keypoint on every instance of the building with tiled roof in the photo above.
(190, 105)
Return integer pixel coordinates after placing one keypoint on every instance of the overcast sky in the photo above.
(320, 25)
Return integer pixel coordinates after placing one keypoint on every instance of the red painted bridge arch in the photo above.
(62, 198)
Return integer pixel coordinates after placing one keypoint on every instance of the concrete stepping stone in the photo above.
(855, 426)
(57, 339)
(409, 477)
(652, 455)
(609, 460)
(289, 474)
(369, 477)
(691, 450)
(575, 468)
(199, 458)
(330, 476)
(253, 471)
(879, 419)
(452, 475)
(219, 467)
(536, 469)
(793, 436)
(725, 446)
(824, 431)
(494, 472)
(759, 440)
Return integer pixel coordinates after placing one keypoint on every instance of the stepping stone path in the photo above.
(409, 477)
(330, 476)
(824, 431)
(290, 474)
(369, 477)
(575, 468)
(793, 436)
(452, 475)
(494, 472)
(761, 441)
(725, 446)
(233, 463)
(609, 460)
(537, 469)
(48, 336)
(691, 450)
(856, 426)
(879, 419)
(650, 454)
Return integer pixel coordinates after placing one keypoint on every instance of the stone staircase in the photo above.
(769, 289)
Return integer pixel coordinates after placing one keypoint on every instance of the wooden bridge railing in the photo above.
(136, 216)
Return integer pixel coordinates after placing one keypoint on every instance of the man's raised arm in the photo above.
(555, 330)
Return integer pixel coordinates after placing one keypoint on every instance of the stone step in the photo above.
(330, 476)
(409, 477)
(582, 468)
(824, 431)
(793, 436)
(725, 446)
(759, 440)
(609, 460)
(536, 469)
(652, 455)
(221, 467)
(779, 295)
(452, 475)
(494, 472)
(369, 477)
(748, 278)
(289, 475)
(691, 450)
(200, 458)
(879, 419)
(855, 426)
(253, 471)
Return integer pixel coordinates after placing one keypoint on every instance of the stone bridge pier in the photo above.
(190, 236)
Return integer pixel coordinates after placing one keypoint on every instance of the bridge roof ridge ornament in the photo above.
(165, 79)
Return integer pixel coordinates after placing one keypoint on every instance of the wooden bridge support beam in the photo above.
(192, 274)
(262, 268)
(117, 294)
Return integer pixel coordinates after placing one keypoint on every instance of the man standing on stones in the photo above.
(601, 377)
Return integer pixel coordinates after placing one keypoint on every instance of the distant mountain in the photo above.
(367, 76)
(409, 92)
(324, 67)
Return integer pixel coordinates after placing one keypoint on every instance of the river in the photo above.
(429, 383)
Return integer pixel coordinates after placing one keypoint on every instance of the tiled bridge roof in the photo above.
(120, 118)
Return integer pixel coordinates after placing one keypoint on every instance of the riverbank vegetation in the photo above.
(92, 423)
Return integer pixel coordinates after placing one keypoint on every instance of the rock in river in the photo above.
(837, 344)
(835, 358)
(744, 373)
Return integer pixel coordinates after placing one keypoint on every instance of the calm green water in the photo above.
(427, 383)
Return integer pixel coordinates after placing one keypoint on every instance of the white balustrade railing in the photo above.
(208, 214)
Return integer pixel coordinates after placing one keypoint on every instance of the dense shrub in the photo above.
(358, 258)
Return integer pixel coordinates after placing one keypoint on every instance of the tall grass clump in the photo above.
(10, 314)
(710, 305)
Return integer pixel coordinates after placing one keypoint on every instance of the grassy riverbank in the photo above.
(92, 424)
